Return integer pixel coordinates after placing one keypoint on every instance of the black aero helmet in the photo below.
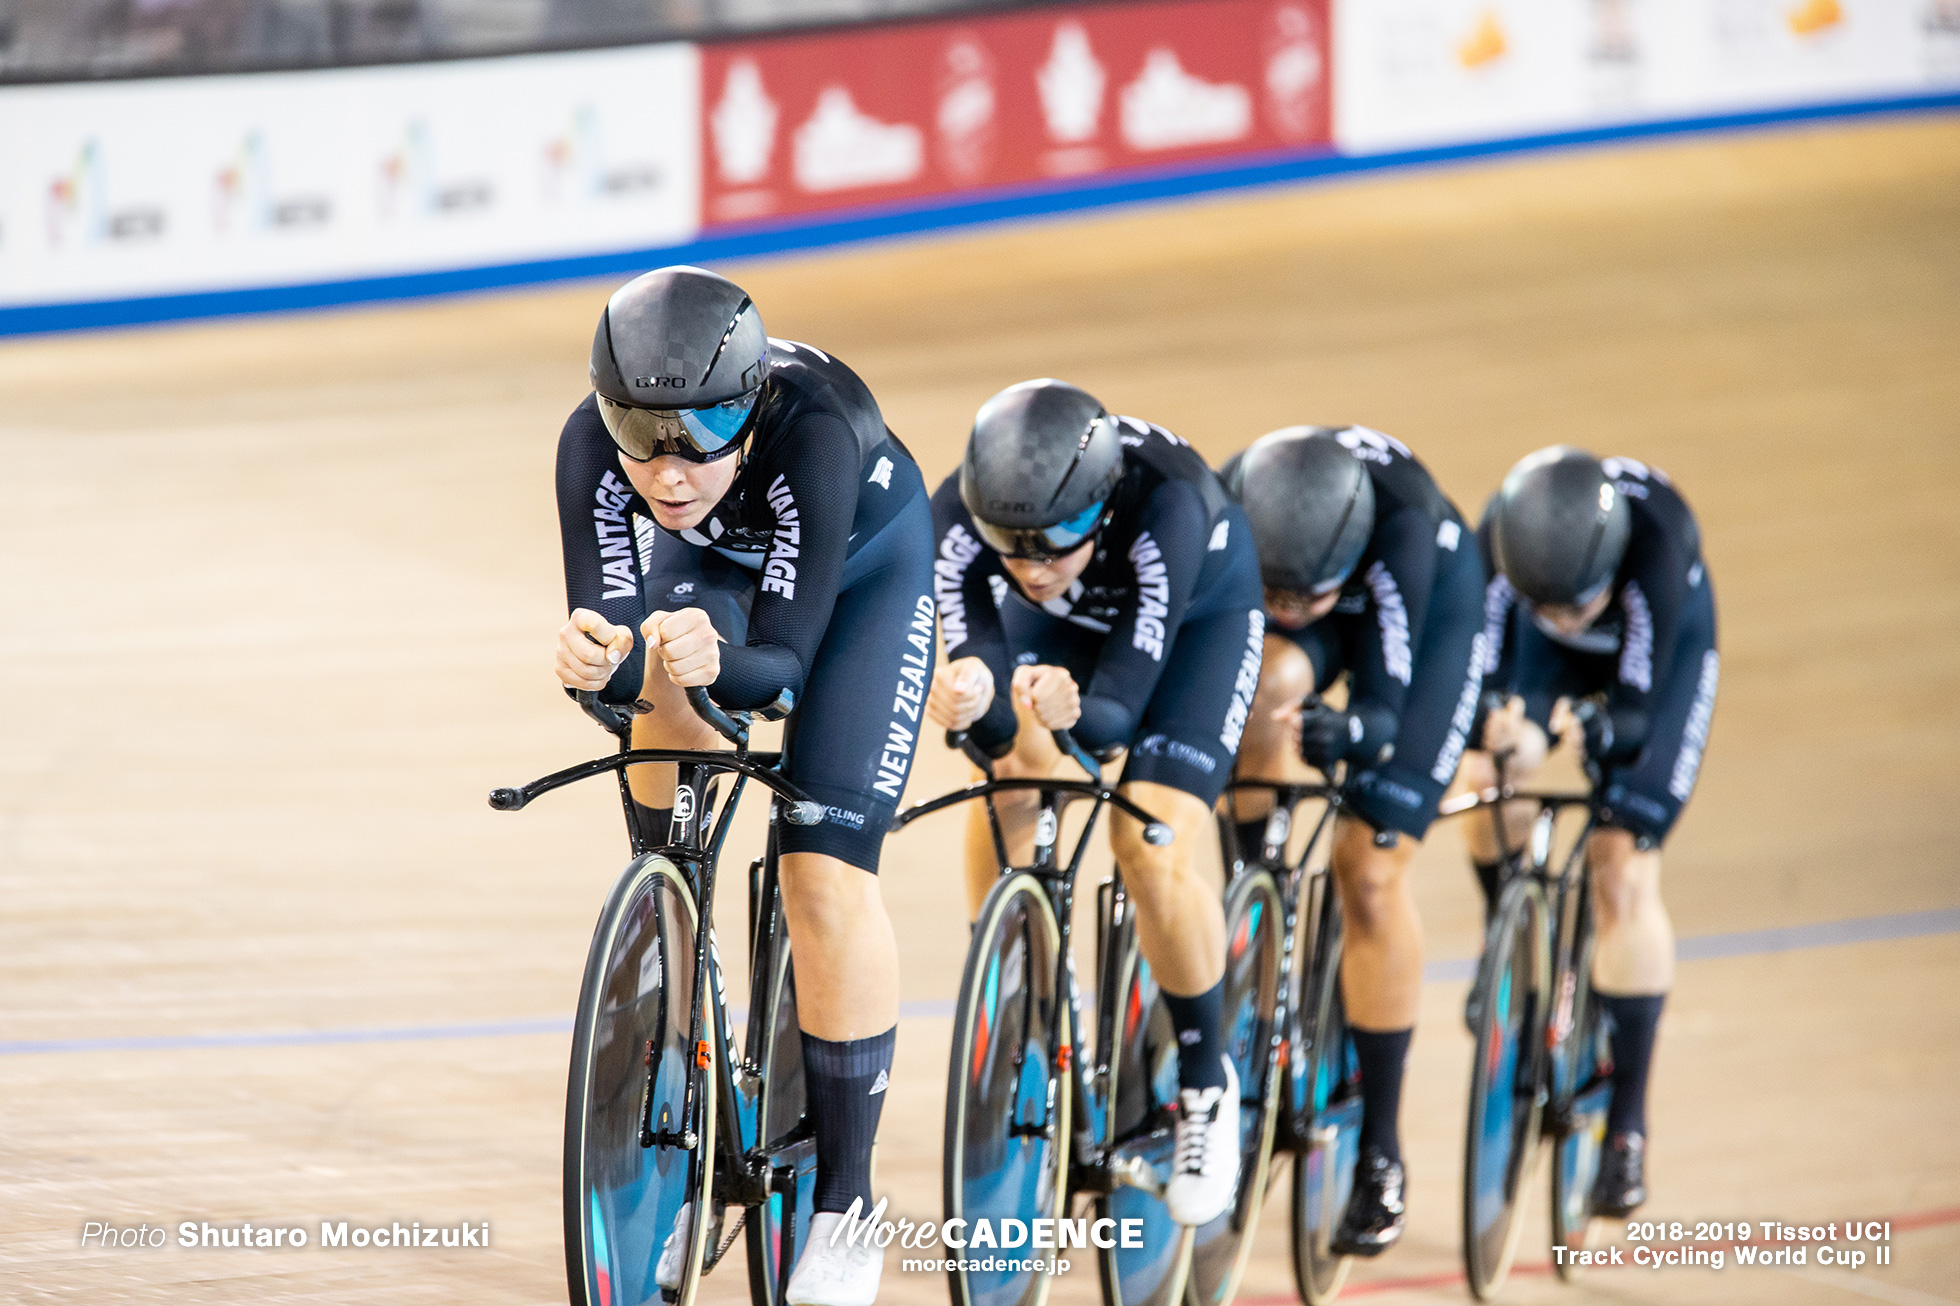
(1042, 461)
(1311, 504)
(1559, 527)
(677, 362)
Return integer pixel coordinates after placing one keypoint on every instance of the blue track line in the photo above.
(973, 208)
(1706, 947)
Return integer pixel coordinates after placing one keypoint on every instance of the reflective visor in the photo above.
(699, 435)
(1042, 543)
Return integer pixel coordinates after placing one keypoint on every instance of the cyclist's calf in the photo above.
(1381, 962)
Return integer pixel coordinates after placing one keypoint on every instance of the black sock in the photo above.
(1252, 837)
(1200, 1037)
(844, 1085)
(655, 822)
(1490, 880)
(1632, 1024)
(1382, 1055)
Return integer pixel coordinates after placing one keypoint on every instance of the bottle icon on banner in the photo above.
(744, 126)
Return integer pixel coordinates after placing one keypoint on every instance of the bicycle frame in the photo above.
(693, 845)
(1567, 895)
(1295, 886)
(1092, 1173)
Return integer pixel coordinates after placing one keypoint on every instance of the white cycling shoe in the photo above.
(673, 1252)
(832, 1272)
(1205, 1160)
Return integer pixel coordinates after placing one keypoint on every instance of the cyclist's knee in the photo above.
(1146, 865)
(824, 895)
(1034, 755)
(1626, 879)
(1374, 880)
(1285, 676)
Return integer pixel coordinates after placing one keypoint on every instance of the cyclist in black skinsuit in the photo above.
(1604, 602)
(1092, 569)
(739, 503)
(1369, 571)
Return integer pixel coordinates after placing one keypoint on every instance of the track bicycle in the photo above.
(668, 1127)
(1542, 1063)
(1031, 1123)
(1313, 1111)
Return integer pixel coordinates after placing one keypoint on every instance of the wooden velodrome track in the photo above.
(280, 595)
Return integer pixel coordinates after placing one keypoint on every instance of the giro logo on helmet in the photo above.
(661, 382)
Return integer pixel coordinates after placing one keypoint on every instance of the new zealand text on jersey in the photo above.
(907, 699)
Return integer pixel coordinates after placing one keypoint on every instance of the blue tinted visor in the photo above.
(697, 434)
(1043, 542)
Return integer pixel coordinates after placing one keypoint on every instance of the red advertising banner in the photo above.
(804, 123)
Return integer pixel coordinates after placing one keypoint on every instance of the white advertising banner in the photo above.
(1411, 73)
(123, 189)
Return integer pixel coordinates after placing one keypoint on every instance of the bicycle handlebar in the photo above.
(1155, 832)
(1483, 798)
(799, 809)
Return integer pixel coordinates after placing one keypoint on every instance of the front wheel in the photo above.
(1255, 924)
(1007, 1099)
(1507, 1089)
(634, 1230)
(782, 1130)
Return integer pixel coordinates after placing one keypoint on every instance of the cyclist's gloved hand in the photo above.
(1596, 728)
(1498, 722)
(1326, 734)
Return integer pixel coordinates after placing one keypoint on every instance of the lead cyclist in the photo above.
(736, 515)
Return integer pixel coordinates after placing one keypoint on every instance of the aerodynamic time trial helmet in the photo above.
(1041, 464)
(677, 363)
(1311, 504)
(1559, 527)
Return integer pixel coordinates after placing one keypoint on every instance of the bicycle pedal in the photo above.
(1135, 1172)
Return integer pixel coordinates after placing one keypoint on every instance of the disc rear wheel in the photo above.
(1324, 1099)
(1255, 919)
(1582, 1067)
(781, 1127)
(629, 1207)
(1137, 1113)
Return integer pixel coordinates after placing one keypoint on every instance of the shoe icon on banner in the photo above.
(842, 147)
(1166, 108)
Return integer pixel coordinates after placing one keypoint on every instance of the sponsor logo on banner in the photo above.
(81, 208)
(577, 164)
(187, 184)
(834, 119)
(412, 186)
(243, 196)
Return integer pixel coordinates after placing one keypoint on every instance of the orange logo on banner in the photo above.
(1485, 43)
(1814, 16)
